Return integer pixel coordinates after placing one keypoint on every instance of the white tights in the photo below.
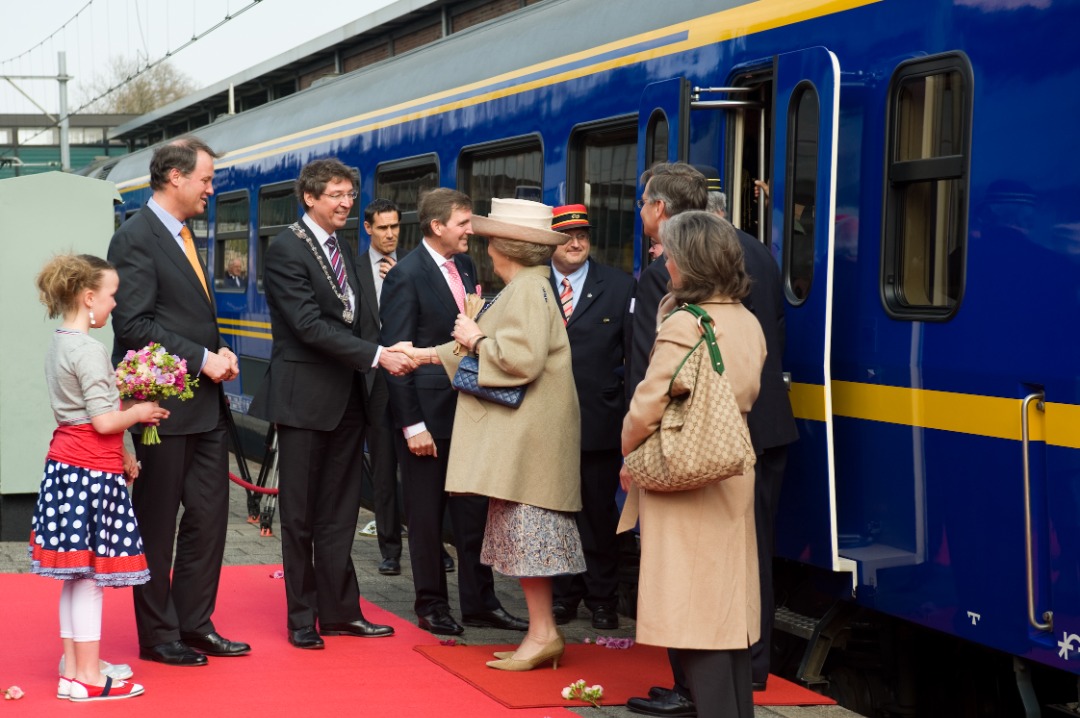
(80, 610)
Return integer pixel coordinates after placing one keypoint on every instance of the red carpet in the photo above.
(374, 678)
(622, 673)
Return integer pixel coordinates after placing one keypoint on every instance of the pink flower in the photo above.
(278, 574)
(13, 694)
(448, 642)
(617, 643)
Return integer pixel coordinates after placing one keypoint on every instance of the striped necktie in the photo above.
(566, 299)
(192, 257)
(338, 267)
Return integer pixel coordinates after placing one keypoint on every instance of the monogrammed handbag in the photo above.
(466, 379)
(702, 436)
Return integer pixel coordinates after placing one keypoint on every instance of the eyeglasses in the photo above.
(339, 196)
(642, 202)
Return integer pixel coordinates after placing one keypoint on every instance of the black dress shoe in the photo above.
(498, 618)
(214, 644)
(441, 623)
(605, 618)
(672, 706)
(306, 637)
(448, 563)
(563, 613)
(359, 628)
(659, 692)
(174, 653)
(390, 567)
(759, 686)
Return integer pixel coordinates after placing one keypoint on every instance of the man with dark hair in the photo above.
(421, 299)
(316, 394)
(382, 222)
(595, 301)
(164, 298)
(670, 188)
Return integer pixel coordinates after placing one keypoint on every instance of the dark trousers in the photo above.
(719, 681)
(423, 481)
(319, 499)
(768, 478)
(596, 522)
(190, 471)
(384, 488)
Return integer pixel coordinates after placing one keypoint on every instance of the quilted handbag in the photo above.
(702, 437)
(466, 379)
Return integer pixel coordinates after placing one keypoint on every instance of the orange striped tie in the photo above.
(566, 299)
(189, 250)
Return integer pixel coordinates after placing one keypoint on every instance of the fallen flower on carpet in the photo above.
(13, 693)
(579, 691)
(618, 643)
(278, 574)
(448, 642)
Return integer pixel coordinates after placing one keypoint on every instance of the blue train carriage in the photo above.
(919, 207)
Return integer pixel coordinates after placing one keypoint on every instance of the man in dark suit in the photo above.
(235, 277)
(163, 297)
(420, 301)
(382, 222)
(670, 188)
(595, 301)
(315, 392)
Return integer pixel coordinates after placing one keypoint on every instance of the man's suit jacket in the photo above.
(597, 329)
(771, 422)
(161, 299)
(417, 306)
(315, 351)
(378, 395)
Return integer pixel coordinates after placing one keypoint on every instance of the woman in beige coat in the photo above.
(525, 459)
(698, 587)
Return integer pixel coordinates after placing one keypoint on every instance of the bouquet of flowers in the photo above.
(473, 304)
(578, 690)
(152, 374)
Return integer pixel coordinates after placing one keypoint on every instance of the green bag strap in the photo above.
(705, 323)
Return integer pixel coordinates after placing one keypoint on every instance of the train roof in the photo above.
(547, 31)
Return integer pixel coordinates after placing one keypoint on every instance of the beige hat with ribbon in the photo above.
(520, 219)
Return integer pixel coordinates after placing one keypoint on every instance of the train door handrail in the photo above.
(1047, 624)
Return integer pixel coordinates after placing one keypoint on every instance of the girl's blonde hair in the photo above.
(65, 277)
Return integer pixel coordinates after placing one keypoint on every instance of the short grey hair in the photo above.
(717, 204)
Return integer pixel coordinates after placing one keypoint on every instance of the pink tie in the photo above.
(456, 286)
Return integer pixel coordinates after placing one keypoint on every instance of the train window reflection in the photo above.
(926, 200)
(513, 168)
(602, 164)
(231, 240)
(656, 139)
(402, 182)
(278, 209)
(801, 196)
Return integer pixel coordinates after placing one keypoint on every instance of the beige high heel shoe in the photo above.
(551, 652)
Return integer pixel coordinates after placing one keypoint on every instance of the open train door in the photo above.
(663, 136)
(802, 209)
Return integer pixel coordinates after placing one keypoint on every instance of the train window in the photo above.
(656, 139)
(513, 168)
(926, 192)
(402, 182)
(802, 194)
(602, 166)
(231, 239)
(278, 209)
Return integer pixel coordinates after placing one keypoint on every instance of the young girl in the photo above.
(84, 529)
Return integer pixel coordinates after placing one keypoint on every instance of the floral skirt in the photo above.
(527, 541)
(84, 528)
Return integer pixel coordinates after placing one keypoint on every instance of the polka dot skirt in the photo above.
(84, 527)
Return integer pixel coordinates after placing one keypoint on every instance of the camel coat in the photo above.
(698, 587)
(531, 454)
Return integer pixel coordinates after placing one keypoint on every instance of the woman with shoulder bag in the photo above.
(698, 591)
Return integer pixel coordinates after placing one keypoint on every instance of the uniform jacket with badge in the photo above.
(598, 329)
(698, 586)
(531, 454)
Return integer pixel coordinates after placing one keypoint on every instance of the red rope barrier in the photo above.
(250, 486)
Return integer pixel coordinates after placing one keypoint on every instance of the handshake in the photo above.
(403, 357)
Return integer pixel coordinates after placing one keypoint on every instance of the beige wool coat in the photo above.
(531, 454)
(699, 586)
